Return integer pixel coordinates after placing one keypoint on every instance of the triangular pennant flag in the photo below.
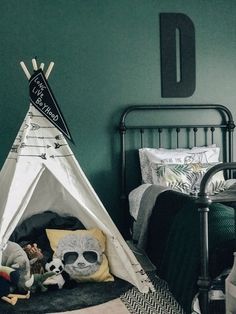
(42, 98)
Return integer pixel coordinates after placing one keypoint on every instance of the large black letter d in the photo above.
(177, 44)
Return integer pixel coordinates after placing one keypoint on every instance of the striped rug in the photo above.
(160, 301)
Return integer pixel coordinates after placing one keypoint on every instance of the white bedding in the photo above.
(135, 196)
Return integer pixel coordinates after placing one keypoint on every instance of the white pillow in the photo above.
(186, 178)
(147, 156)
(175, 176)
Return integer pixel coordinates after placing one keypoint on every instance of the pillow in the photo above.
(147, 156)
(82, 252)
(177, 177)
(217, 182)
(186, 178)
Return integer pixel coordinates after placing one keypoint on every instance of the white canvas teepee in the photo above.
(40, 173)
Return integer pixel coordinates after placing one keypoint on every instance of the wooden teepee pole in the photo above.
(51, 65)
(34, 63)
(35, 67)
(24, 68)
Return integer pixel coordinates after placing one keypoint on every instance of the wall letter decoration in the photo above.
(178, 64)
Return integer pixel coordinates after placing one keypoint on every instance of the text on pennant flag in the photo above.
(42, 98)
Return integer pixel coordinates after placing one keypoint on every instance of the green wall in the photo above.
(107, 55)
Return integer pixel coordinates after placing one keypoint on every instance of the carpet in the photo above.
(115, 307)
(81, 296)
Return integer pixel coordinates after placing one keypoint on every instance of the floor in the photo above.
(114, 307)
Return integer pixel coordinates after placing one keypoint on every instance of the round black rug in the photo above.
(81, 296)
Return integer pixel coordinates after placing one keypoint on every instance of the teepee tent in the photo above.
(41, 172)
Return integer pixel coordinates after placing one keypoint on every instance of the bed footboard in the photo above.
(203, 202)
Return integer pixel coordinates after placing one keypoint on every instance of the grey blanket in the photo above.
(147, 203)
(228, 195)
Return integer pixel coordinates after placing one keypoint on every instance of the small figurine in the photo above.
(57, 267)
(9, 279)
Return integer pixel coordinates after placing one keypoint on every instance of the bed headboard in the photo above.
(185, 126)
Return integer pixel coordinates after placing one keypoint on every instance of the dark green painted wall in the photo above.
(106, 56)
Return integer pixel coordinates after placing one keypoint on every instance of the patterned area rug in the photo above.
(160, 301)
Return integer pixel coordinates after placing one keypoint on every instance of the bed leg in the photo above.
(203, 284)
(204, 280)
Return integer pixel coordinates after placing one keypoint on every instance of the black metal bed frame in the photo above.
(226, 125)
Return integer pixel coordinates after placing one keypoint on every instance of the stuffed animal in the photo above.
(38, 282)
(35, 256)
(15, 257)
(57, 267)
(8, 280)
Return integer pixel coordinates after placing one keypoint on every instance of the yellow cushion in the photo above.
(82, 252)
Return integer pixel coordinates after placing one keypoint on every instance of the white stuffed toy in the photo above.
(57, 267)
(15, 257)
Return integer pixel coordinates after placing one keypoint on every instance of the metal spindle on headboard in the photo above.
(205, 134)
(212, 135)
(177, 137)
(159, 136)
(141, 137)
(195, 136)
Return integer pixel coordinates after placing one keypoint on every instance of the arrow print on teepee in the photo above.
(57, 145)
(31, 115)
(57, 137)
(19, 138)
(35, 126)
(56, 156)
(25, 145)
(14, 148)
(43, 156)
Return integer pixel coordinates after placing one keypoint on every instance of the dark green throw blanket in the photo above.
(174, 242)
